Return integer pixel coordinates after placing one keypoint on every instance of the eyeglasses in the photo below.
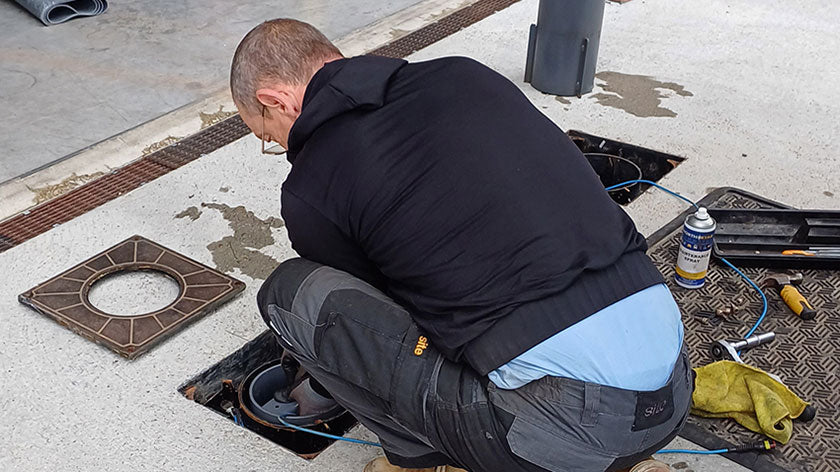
(275, 150)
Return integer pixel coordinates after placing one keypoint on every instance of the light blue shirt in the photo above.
(632, 344)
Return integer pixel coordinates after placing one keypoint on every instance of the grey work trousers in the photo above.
(426, 410)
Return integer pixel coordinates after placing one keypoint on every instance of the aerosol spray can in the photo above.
(695, 249)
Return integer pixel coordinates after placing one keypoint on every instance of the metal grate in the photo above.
(42, 218)
(64, 298)
(442, 28)
(805, 354)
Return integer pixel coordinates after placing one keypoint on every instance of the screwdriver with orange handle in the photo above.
(812, 252)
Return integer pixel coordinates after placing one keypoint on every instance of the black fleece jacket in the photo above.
(441, 184)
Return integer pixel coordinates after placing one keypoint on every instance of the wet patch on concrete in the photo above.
(48, 192)
(639, 95)
(192, 213)
(241, 250)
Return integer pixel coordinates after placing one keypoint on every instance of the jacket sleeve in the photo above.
(318, 239)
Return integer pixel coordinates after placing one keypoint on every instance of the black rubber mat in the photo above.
(53, 12)
(805, 354)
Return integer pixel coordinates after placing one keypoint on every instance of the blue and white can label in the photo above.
(693, 258)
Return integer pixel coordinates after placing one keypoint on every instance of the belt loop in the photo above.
(591, 399)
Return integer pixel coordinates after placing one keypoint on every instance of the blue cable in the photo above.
(671, 192)
(692, 451)
(285, 423)
(325, 435)
(235, 418)
(757, 289)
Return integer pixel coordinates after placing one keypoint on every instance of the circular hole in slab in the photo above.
(133, 292)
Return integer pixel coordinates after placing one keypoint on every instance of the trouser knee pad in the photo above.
(282, 285)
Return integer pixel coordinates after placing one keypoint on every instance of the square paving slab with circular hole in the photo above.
(65, 299)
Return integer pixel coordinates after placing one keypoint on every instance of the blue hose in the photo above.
(692, 451)
(325, 435)
(757, 289)
(671, 192)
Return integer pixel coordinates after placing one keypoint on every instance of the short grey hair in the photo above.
(280, 51)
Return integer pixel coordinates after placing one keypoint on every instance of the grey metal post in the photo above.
(563, 46)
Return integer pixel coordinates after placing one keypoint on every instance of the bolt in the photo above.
(726, 312)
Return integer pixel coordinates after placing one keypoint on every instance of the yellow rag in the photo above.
(727, 389)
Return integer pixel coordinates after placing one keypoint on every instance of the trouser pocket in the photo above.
(361, 338)
(551, 451)
(295, 333)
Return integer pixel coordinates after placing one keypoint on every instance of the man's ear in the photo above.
(281, 100)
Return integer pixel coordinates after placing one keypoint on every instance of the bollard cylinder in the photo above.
(563, 46)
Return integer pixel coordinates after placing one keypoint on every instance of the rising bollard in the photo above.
(563, 46)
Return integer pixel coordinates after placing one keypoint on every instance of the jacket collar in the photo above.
(338, 87)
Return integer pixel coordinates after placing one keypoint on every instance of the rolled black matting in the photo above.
(805, 354)
(52, 12)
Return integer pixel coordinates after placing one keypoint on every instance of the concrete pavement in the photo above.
(759, 114)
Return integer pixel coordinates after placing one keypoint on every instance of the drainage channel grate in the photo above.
(104, 189)
(442, 28)
(62, 209)
(64, 298)
(217, 389)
